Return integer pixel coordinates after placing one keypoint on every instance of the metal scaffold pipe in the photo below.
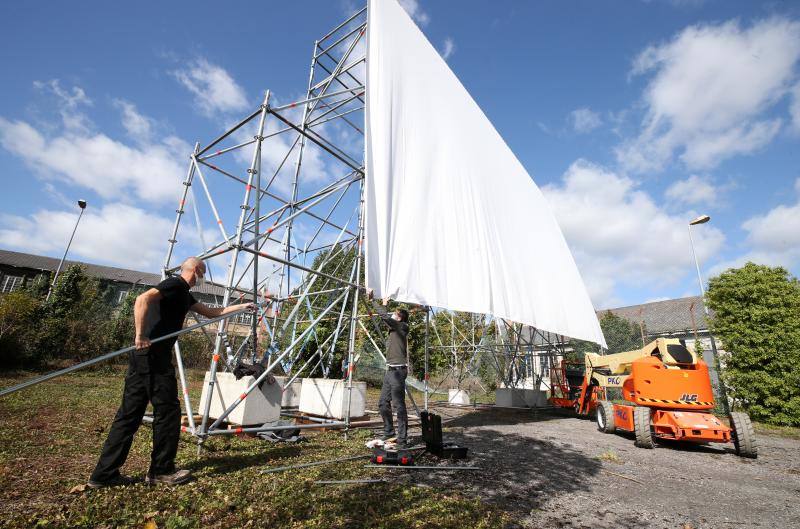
(107, 356)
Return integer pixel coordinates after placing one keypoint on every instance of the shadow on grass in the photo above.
(224, 462)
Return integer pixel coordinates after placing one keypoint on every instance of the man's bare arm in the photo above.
(140, 308)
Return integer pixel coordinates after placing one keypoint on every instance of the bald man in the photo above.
(151, 378)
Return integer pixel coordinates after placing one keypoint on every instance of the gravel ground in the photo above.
(551, 470)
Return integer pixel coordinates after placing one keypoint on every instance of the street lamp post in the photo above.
(702, 219)
(82, 205)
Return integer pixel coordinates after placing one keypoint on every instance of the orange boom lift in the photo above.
(666, 394)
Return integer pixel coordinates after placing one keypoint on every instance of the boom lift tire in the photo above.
(605, 417)
(744, 437)
(641, 426)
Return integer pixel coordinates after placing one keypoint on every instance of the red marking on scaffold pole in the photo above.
(182, 203)
(403, 460)
(184, 429)
(379, 459)
(243, 396)
(219, 222)
(216, 358)
(248, 187)
(293, 105)
(239, 430)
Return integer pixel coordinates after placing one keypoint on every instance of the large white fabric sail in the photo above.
(452, 218)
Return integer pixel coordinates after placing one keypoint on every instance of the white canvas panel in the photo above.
(453, 219)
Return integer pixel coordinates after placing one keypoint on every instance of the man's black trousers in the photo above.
(161, 389)
(394, 392)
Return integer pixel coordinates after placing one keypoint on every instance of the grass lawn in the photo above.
(51, 436)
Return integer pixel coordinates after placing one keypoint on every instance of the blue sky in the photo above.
(633, 117)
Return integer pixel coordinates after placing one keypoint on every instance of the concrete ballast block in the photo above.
(458, 396)
(520, 398)
(328, 397)
(291, 394)
(261, 406)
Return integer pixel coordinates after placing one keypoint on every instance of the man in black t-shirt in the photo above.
(151, 378)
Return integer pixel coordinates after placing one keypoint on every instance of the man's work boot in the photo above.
(179, 477)
(118, 481)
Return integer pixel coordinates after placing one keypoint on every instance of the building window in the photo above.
(11, 283)
(122, 295)
(244, 318)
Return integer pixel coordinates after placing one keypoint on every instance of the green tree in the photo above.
(621, 335)
(756, 315)
(17, 311)
(73, 324)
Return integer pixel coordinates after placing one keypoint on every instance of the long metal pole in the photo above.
(427, 325)
(187, 405)
(105, 357)
(723, 393)
(232, 266)
(63, 257)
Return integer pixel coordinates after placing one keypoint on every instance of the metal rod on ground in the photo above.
(106, 356)
(347, 481)
(314, 464)
(322, 426)
(414, 467)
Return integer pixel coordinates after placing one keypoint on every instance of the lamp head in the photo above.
(702, 219)
(82, 204)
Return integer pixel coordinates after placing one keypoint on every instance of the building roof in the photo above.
(107, 273)
(668, 316)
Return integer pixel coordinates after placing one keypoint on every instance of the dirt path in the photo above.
(557, 471)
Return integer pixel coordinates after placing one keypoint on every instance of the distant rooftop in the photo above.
(108, 273)
(669, 316)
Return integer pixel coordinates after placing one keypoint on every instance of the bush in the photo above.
(757, 318)
(17, 310)
(196, 350)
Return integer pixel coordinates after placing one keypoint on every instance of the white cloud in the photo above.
(620, 236)
(97, 162)
(693, 190)
(68, 103)
(116, 234)
(415, 11)
(773, 238)
(213, 88)
(449, 48)
(584, 120)
(710, 88)
(92, 160)
(139, 127)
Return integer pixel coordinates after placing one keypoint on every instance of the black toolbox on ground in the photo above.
(432, 435)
